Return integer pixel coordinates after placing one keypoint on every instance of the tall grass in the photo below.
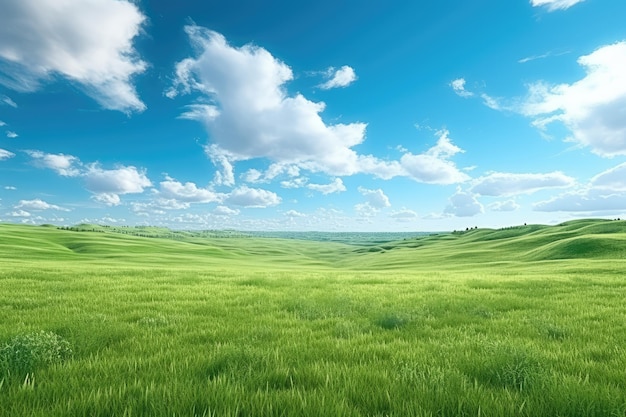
(302, 338)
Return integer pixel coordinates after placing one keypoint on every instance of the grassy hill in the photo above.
(588, 239)
(102, 321)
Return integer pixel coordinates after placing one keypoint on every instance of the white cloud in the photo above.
(434, 166)
(252, 197)
(508, 205)
(11, 134)
(507, 184)
(366, 210)
(252, 175)
(342, 77)
(605, 192)
(64, 165)
(336, 186)
(592, 108)
(458, 86)
(4, 154)
(2, 123)
(555, 4)
(253, 117)
(294, 183)
(611, 179)
(404, 215)
(225, 211)
(20, 213)
(464, 204)
(5, 99)
(294, 214)
(188, 192)
(38, 205)
(10, 187)
(584, 200)
(107, 185)
(375, 198)
(109, 199)
(89, 42)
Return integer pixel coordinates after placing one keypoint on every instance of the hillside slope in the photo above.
(581, 239)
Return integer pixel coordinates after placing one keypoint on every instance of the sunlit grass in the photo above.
(314, 334)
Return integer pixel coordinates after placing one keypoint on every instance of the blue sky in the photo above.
(331, 116)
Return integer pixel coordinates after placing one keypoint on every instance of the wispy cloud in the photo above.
(4, 154)
(553, 5)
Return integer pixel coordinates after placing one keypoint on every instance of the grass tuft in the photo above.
(26, 353)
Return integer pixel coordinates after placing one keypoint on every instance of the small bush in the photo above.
(391, 321)
(27, 352)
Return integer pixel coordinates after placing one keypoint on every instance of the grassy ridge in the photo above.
(581, 239)
(515, 322)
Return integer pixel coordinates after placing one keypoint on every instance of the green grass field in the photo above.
(526, 321)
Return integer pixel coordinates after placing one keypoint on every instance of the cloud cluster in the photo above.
(604, 192)
(89, 42)
(106, 184)
(248, 113)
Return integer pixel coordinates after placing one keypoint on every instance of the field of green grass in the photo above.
(525, 321)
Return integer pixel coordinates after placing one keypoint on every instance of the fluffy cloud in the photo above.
(4, 154)
(225, 211)
(2, 123)
(38, 205)
(555, 4)
(64, 165)
(250, 114)
(458, 86)
(592, 108)
(404, 216)
(434, 166)
(107, 185)
(20, 213)
(508, 205)
(605, 192)
(464, 204)
(334, 187)
(507, 184)
(252, 197)
(342, 77)
(11, 134)
(188, 192)
(375, 198)
(89, 42)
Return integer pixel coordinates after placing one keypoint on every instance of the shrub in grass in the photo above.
(26, 353)
(391, 321)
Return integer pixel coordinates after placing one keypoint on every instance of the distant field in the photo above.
(525, 321)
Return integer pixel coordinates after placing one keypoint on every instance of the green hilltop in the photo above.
(589, 239)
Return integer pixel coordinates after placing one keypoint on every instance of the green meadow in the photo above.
(524, 321)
